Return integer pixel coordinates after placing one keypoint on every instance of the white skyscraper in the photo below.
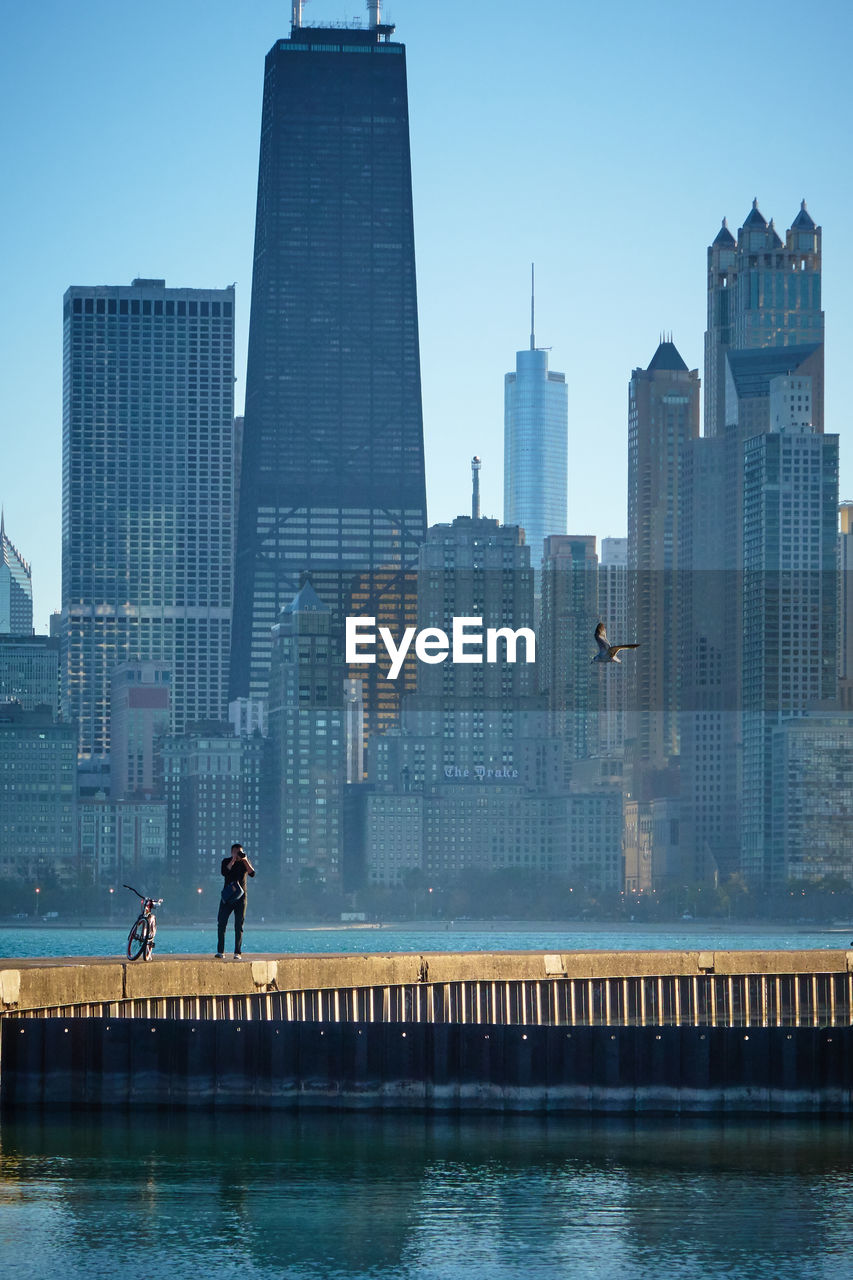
(16, 589)
(536, 430)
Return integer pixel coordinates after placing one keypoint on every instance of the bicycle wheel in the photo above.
(137, 939)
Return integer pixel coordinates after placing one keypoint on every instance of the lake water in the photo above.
(264, 940)
(406, 1197)
(379, 1197)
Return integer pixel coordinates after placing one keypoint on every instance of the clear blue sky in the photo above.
(604, 142)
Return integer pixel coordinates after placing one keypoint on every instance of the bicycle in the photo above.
(140, 940)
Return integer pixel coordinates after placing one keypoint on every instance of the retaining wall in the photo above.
(31, 984)
(95, 1062)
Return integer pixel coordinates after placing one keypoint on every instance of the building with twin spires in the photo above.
(756, 491)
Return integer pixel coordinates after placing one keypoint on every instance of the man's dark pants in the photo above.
(225, 909)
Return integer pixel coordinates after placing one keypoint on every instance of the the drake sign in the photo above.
(483, 773)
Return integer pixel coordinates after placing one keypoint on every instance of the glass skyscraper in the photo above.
(332, 473)
(147, 466)
(536, 431)
(790, 608)
(16, 588)
(663, 418)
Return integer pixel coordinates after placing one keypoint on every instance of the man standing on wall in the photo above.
(235, 869)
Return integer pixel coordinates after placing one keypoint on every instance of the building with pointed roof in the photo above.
(803, 220)
(754, 218)
(724, 237)
(762, 292)
(16, 588)
(667, 357)
(763, 364)
(663, 417)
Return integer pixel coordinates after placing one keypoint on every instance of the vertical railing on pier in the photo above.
(703, 1000)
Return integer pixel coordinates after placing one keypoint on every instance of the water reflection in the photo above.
(387, 1197)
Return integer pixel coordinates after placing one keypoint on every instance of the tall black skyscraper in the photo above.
(332, 480)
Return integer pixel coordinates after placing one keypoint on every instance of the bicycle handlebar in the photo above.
(143, 897)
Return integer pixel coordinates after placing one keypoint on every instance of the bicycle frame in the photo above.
(140, 940)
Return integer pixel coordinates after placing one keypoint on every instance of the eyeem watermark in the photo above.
(466, 643)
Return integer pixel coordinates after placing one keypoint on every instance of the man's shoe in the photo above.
(219, 956)
(237, 955)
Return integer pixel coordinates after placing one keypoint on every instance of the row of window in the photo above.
(147, 307)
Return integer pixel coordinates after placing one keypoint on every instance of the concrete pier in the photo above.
(618, 1032)
(59, 984)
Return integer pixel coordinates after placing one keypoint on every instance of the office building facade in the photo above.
(790, 611)
(121, 840)
(139, 721)
(332, 470)
(29, 671)
(613, 611)
(308, 741)
(536, 444)
(214, 783)
(811, 797)
(38, 801)
(569, 616)
(663, 418)
(845, 604)
(16, 588)
(147, 534)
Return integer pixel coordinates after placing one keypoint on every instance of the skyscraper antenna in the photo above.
(296, 15)
(475, 487)
(373, 12)
(532, 303)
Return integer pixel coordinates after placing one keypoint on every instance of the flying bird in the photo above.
(607, 652)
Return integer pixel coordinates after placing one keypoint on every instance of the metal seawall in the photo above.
(668, 1032)
(93, 1063)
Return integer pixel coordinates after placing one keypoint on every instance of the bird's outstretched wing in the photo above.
(601, 638)
(617, 648)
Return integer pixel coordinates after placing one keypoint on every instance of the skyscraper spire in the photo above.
(535, 443)
(532, 308)
(475, 487)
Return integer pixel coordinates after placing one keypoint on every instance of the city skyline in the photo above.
(625, 261)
